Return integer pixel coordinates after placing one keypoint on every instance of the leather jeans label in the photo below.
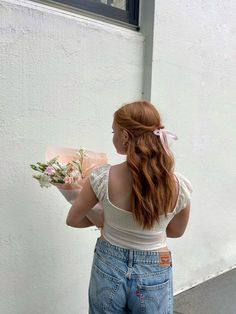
(164, 258)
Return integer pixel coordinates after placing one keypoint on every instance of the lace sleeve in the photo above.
(185, 192)
(98, 181)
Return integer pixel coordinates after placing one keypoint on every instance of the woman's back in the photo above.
(120, 187)
(112, 186)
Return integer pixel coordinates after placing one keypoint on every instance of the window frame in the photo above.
(129, 17)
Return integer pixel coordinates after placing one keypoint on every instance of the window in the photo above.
(126, 11)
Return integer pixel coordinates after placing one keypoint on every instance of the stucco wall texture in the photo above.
(62, 75)
(193, 79)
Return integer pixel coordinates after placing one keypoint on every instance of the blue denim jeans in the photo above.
(129, 281)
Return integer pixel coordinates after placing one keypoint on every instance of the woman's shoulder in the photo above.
(184, 181)
(98, 180)
(100, 169)
(185, 190)
(120, 171)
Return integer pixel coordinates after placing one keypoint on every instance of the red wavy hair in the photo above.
(154, 188)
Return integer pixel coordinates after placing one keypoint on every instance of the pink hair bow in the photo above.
(163, 133)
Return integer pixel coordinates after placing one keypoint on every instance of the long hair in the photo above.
(153, 189)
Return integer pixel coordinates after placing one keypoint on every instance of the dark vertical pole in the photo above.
(133, 11)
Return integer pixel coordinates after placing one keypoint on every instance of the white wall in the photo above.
(62, 76)
(193, 83)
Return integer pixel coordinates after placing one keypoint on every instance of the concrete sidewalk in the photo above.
(215, 296)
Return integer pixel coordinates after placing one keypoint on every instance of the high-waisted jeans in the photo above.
(129, 281)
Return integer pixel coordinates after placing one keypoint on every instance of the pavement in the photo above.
(214, 296)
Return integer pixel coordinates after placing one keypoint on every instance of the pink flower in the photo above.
(69, 180)
(49, 170)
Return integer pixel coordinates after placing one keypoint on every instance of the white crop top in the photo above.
(120, 227)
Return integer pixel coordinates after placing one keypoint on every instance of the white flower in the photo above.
(44, 181)
(75, 173)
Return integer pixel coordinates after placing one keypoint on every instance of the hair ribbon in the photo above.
(163, 133)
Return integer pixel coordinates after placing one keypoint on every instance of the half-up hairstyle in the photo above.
(154, 189)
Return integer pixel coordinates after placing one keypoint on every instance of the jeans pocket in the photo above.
(155, 298)
(102, 289)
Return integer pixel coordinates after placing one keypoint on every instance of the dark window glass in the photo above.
(126, 11)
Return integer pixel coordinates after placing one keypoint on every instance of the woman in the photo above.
(144, 202)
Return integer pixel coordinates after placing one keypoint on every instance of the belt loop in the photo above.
(131, 258)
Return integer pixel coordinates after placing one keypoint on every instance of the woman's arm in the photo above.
(95, 217)
(178, 224)
(81, 207)
(84, 223)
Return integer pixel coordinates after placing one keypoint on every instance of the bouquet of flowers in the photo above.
(67, 169)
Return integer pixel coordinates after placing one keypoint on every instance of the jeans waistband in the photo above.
(130, 255)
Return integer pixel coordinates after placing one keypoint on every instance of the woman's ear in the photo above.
(125, 135)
